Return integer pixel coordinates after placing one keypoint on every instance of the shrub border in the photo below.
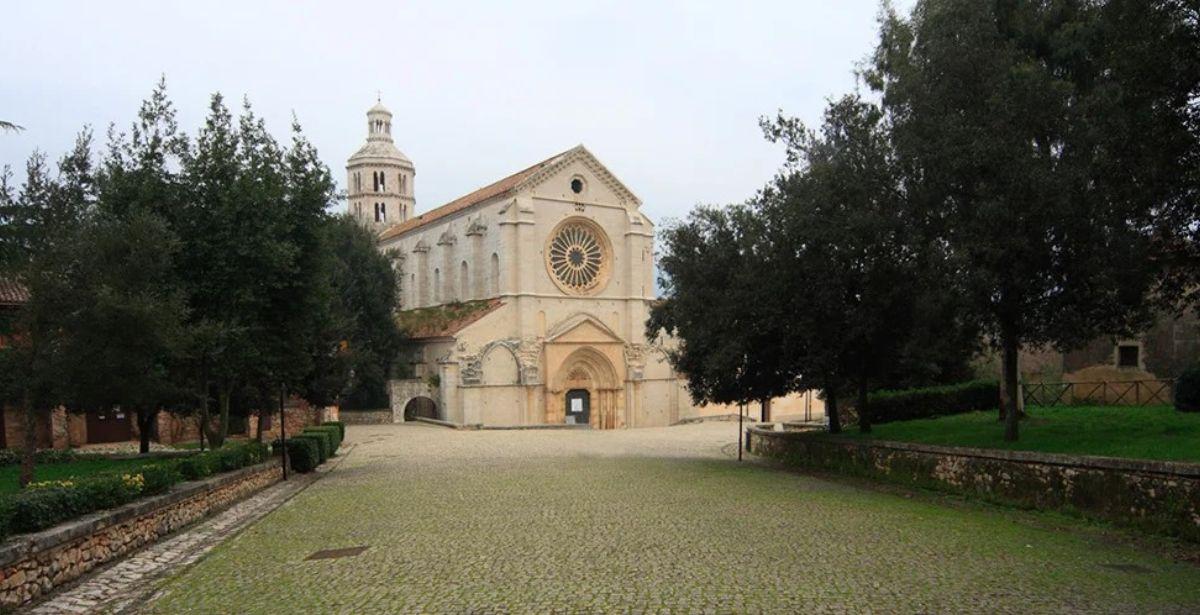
(23, 546)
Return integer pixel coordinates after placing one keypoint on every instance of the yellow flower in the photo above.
(135, 482)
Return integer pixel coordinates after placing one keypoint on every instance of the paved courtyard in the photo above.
(649, 520)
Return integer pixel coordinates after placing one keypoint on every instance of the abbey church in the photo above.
(526, 300)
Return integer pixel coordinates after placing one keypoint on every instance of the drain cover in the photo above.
(1128, 568)
(336, 553)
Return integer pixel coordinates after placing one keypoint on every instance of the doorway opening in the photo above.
(578, 407)
(420, 407)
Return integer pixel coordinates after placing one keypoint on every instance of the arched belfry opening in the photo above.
(586, 389)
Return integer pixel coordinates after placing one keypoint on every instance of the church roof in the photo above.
(379, 108)
(444, 320)
(380, 150)
(496, 189)
(12, 293)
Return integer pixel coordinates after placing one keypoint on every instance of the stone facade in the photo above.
(1158, 496)
(563, 258)
(32, 565)
(1169, 346)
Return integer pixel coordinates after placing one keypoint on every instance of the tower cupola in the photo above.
(379, 177)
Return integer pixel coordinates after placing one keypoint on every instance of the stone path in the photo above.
(431, 520)
(127, 583)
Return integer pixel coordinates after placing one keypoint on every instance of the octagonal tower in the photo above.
(379, 177)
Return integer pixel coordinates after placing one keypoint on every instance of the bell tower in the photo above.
(379, 178)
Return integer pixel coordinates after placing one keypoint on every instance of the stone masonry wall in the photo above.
(33, 564)
(367, 417)
(1157, 496)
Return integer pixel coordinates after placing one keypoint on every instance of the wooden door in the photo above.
(109, 425)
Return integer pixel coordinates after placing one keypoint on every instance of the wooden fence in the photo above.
(1108, 393)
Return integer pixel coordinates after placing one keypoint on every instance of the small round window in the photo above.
(577, 185)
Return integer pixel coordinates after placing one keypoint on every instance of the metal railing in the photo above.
(1104, 392)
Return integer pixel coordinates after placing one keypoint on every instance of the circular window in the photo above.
(577, 256)
(577, 185)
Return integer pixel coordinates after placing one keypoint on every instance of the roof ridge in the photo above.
(500, 187)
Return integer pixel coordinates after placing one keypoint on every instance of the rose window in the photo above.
(576, 257)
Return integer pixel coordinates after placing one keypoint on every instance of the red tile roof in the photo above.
(499, 188)
(12, 293)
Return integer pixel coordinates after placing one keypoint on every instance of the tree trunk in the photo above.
(145, 419)
(261, 413)
(217, 436)
(1009, 388)
(831, 411)
(27, 455)
(864, 413)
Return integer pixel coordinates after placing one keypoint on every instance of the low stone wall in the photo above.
(366, 417)
(33, 564)
(1158, 496)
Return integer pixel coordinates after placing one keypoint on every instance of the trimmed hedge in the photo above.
(339, 424)
(1187, 390)
(341, 428)
(928, 402)
(45, 504)
(334, 434)
(304, 454)
(320, 440)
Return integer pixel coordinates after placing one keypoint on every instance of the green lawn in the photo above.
(10, 475)
(1155, 432)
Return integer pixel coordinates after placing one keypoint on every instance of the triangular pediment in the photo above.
(582, 329)
(579, 157)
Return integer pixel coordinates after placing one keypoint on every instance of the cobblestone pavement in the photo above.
(649, 520)
(123, 585)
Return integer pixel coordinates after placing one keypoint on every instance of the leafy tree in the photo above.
(303, 298)
(123, 282)
(9, 127)
(41, 223)
(726, 322)
(358, 338)
(845, 243)
(1029, 134)
(236, 256)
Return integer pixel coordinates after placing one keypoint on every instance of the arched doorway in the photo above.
(420, 407)
(586, 390)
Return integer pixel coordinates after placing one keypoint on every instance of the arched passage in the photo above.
(586, 389)
(422, 407)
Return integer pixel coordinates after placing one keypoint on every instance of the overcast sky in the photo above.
(666, 94)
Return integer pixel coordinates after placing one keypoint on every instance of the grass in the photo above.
(10, 475)
(1154, 432)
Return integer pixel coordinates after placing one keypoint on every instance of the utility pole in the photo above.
(741, 432)
(283, 431)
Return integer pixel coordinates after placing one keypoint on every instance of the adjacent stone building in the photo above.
(525, 300)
